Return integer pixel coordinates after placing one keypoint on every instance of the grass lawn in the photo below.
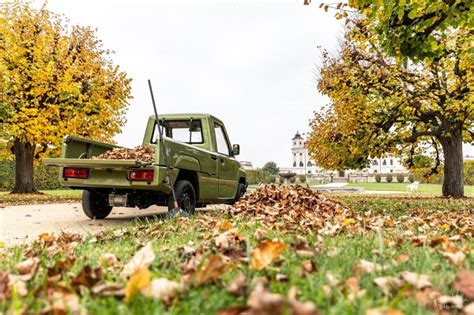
(184, 248)
(424, 189)
(47, 196)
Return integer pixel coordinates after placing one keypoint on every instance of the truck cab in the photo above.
(202, 161)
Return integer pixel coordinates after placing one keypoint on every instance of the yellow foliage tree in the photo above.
(55, 80)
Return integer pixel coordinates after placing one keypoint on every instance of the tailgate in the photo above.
(95, 164)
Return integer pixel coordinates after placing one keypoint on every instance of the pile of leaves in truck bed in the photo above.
(294, 206)
(139, 153)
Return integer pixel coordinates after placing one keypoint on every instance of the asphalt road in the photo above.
(22, 224)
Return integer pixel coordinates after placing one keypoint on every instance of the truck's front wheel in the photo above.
(95, 205)
(185, 195)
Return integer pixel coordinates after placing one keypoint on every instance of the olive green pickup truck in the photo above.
(204, 168)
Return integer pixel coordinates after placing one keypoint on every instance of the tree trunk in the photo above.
(24, 168)
(453, 183)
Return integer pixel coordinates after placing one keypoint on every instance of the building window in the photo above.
(294, 164)
(391, 171)
(301, 164)
(309, 163)
(375, 171)
(301, 154)
(374, 162)
(391, 161)
(309, 172)
(294, 154)
(384, 162)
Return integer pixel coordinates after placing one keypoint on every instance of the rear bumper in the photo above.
(118, 180)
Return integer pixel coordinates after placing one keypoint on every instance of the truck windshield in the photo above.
(188, 131)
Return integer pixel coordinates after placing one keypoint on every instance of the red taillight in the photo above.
(76, 173)
(141, 175)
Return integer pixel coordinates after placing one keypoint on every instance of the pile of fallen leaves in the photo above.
(139, 153)
(293, 206)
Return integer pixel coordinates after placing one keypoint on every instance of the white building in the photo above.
(303, 164)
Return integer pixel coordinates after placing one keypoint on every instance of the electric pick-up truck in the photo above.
(203, 168)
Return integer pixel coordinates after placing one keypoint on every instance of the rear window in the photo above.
(187, 131)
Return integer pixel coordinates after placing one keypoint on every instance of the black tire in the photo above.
(241, 190)
(186, 196)
(95, 205)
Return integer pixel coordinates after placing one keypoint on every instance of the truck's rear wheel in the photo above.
(95, 205)
(186, 197)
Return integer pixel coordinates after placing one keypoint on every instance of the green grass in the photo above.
(424, 189)
(168, 237)
(46, 196)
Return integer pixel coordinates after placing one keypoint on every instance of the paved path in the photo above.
(20, 224)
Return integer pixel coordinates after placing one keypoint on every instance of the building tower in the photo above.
(299, 154)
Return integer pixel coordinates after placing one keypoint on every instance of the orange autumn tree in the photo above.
(380, 105)
(55, 80)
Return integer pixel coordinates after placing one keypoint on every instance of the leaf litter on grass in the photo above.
(221, 248)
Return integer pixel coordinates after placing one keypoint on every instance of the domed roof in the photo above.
(297, 136)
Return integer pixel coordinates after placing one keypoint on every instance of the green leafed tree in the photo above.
(55, 80)
(380, 105)
(271, 167)
(413, 29)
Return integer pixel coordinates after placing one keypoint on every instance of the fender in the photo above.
(187, 162)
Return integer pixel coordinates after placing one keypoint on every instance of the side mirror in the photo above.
(236, 149)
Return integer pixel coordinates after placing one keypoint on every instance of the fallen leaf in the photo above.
(263, 302)
(64, 303)
(465, 283)
(307, 267)
(162, 289)
(109, 289)
(300, 308)
(364, 266)
(354, 290)
(233, 310)
(28, 268)
(451, 302)
(281, 277)
(418, 281)
(108, 260)
(139, 280)
(469, 309)
(210, 270)
(238, 285)
(87, 277)
(456, 258)
(383, 311)
(142, 259)
(388, 284)
(266, 253)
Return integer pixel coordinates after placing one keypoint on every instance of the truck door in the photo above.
(227, 166)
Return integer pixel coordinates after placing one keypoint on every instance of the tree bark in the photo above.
(24, 167)
(453, 183)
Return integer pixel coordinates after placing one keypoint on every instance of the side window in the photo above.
(221, 140)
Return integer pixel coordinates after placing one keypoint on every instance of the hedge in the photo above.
(258, 176)
(45, 178)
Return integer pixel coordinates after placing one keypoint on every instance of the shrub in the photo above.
(400, 178)
(469, 172)
(302, 178)
(293, 179)
(273, 179)
(45, 178)
(411, 178)
(258, 176)
(389, 178)
(378, 178)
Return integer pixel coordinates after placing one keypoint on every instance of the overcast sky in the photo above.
(250, 63)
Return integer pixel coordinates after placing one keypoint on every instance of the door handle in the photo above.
(213, 156)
